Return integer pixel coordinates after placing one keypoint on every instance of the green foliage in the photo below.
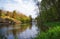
(52, 24)
(50, 34)
(49, 11)
(3, 14)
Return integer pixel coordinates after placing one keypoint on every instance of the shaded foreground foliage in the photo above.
(49, 16)
(51, 34)
(49, 10)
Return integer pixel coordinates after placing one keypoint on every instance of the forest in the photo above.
(14, 17)
(49, 19)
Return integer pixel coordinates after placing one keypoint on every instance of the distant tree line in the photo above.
(15, 15)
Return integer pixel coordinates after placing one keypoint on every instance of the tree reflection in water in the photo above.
(12, 31)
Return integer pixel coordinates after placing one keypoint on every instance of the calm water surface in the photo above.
(17, 31)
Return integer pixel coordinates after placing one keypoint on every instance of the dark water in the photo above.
(18, 31)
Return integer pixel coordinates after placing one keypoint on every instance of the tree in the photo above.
(0, 13)
(30, 18)
(49, 10)
(7, 14)
(14, 14)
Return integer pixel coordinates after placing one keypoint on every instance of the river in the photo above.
(19, 31)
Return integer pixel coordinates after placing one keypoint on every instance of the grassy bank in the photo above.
(52, 24)
(52, 33)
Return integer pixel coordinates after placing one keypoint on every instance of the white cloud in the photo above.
(27, 7)
(39, 0)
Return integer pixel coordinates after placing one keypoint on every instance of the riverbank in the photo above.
(52, 33)
(13, 17)
(8, 20)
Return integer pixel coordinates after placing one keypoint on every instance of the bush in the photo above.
(51, 34)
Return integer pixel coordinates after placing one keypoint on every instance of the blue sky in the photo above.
(27, 7)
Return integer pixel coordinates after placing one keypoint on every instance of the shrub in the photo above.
(51, 34)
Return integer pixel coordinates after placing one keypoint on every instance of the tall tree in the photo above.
(7, 13)
(14, 14)
(0, 13)
(49, 10)
(30, 18)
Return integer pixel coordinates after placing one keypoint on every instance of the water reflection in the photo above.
(17, 31)
(43, 28)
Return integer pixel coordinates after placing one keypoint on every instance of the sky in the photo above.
(27, 7)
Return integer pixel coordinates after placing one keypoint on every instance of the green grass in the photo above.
(52, 33)
(52, 24)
